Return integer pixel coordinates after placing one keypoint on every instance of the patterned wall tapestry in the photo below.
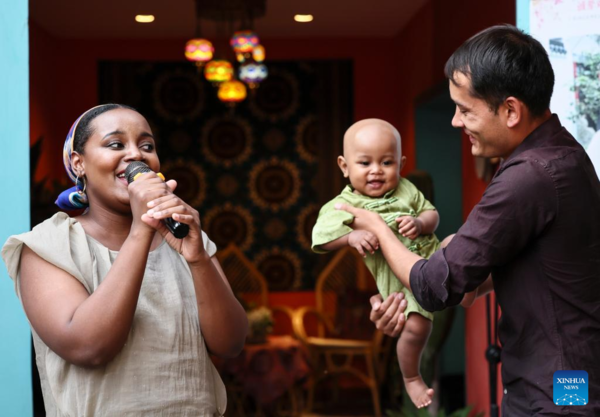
(252, 171)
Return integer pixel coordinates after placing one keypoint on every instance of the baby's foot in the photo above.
(420, 394)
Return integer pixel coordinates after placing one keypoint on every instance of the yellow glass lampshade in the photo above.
(232, 91)
(258, 53)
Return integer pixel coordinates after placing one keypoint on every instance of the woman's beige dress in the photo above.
(163, 369)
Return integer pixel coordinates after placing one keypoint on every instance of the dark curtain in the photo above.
(258, 172)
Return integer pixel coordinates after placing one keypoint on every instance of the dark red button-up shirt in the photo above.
(537, 231)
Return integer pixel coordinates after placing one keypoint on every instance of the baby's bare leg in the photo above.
(410, 346)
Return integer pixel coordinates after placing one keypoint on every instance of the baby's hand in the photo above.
(362, 241)
(409, 226)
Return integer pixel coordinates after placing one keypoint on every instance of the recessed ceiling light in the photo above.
(303, 18)
(144, 18)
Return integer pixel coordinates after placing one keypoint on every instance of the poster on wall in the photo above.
(570, 32)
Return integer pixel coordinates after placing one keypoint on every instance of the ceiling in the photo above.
(114, 19)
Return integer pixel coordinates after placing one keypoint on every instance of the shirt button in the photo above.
(505, 391)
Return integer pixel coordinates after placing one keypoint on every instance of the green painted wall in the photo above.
(438, 151)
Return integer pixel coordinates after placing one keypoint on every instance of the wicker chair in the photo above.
(247, 283)
(250, 287)
(342, 292)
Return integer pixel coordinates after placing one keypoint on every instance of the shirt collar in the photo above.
(543, 135)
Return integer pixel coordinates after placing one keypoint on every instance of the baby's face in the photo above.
(372, 161)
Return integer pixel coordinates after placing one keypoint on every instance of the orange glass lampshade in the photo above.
(232, 91)
(258, 53)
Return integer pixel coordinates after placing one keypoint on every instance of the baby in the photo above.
(372, 161)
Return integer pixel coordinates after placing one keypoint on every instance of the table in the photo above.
(267, 371)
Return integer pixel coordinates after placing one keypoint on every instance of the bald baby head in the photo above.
(372, 157)
(369, 129)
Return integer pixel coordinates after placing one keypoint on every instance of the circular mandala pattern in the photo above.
(277, 98)
(274, 184)
(228, 223)
(178, 95)
(227, 185)
(275, 229)
(307, 139)
(274, 139)
(180, 141)
(191, 180)
(226, 141)
(281, 268)
(304, 226)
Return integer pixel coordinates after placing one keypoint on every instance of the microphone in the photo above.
(179, 230)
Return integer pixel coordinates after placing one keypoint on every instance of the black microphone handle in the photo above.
(179, 230)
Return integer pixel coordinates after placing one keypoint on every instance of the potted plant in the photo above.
(260, 323)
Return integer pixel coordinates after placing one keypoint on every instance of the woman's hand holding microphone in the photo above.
(153, 202)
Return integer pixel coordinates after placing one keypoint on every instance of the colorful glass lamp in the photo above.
(199, 51)
(232, 92)
(253, 74)
(218, 71)
(244, 41)
(258, 53)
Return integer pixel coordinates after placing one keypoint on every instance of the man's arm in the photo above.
(483, 289)
(400, 259)
(516, 208)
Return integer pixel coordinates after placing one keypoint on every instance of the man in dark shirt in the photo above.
(536, 228)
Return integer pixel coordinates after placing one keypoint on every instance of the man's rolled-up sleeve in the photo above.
(428, 282)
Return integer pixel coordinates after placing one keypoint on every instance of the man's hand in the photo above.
(388, 315)
(398, 257)
(409, 227)
(363, 219)
(363, 241)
